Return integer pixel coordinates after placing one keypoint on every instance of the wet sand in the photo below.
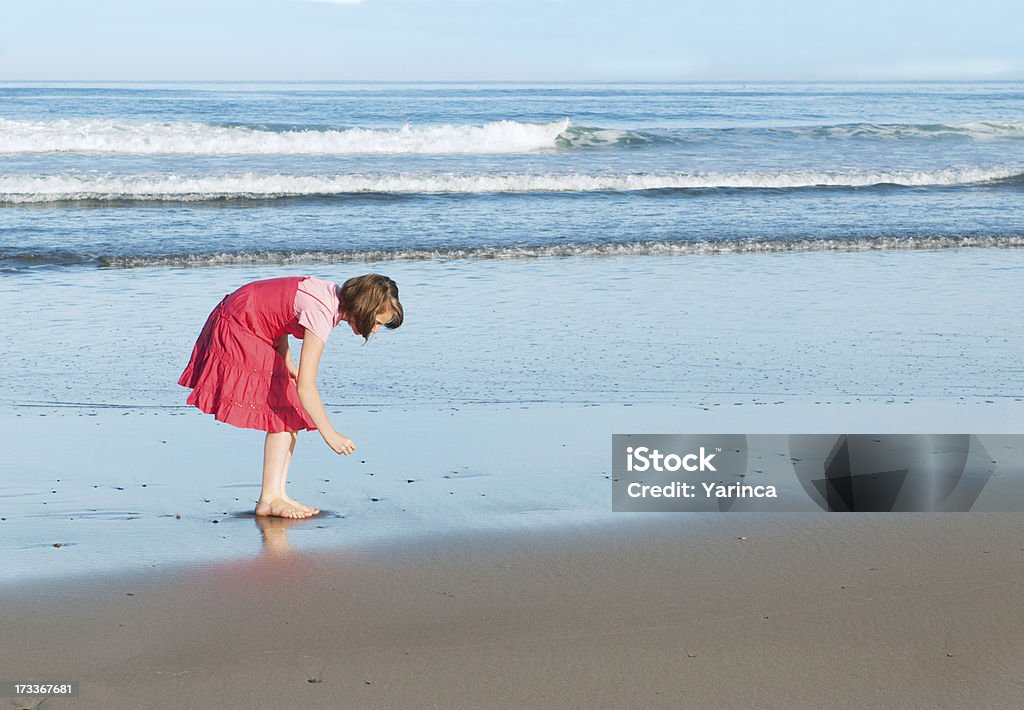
(490, 577)
(133, 490)
(468, 556)
(717, 611)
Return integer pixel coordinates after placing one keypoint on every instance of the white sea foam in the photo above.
(63, 188)
(694, 248)
(497, 137)
(98, 136)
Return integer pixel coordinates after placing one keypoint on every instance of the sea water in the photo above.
(729, 250)
(556, 242)
(208, 174)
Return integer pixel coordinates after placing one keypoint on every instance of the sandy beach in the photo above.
(468, 555)
(738, 611)
(580, 265)
(494, 583)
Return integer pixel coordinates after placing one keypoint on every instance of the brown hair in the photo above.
(363, 297)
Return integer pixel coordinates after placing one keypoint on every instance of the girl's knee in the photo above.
(283, 434)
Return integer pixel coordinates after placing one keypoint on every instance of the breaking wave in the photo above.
(16, 190)
(24, 259)
(113, 137)
(495, 137)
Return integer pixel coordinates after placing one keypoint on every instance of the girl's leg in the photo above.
(284, 482)
(276, 453)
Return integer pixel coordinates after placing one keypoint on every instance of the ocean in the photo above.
(575, 261)
(127, 175)
(593, 196)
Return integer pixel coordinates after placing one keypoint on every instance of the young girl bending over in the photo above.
(242, 373)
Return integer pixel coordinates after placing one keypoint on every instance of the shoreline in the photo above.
(568, 332)
(145, 503)
(867, 611)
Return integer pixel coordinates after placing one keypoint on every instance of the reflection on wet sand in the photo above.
(275, 533)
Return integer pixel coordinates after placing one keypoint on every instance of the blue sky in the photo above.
(531, 40)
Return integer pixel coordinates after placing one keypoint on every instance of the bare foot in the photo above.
(291, 501)
(280, 508)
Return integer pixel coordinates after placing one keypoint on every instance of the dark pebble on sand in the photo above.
(375, 500)
(129, 594)
(408, 480)
(58, 544)
(177, 517)
(216, 521)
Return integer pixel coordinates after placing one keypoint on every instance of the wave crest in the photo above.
(705, 247)
(61, 257)
(497, 137)
(183, 188)
(99, 136)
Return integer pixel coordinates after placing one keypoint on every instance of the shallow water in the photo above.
(493, 406)
(755, 327)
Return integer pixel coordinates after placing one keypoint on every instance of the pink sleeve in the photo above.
(314, 315)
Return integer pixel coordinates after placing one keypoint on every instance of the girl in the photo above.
(242, 373)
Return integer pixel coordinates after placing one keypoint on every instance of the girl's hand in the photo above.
(293, 371)
(339, 443)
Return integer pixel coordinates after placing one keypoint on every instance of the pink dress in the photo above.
(236, 374)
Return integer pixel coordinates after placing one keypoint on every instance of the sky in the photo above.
(509, 40)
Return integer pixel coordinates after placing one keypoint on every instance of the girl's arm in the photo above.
(281, 346)
(309, 395)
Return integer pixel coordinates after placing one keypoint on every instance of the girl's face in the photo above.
(381, 319)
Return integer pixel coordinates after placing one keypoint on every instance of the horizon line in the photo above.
(520, 81)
